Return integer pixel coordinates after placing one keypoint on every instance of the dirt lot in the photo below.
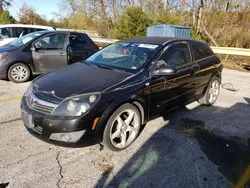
(195, 146)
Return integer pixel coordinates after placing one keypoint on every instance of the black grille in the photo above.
(48, 98)
(42, 108)
(39, 104)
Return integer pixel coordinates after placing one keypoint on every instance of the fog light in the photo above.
(71, 137)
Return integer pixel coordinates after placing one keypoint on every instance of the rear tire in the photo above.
(19, 73)
(123, 128)
(212, 92)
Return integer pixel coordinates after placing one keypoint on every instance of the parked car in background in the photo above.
(10, 32)
(43, 51)
(110, 95)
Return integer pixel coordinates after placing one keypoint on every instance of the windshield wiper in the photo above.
(105, 67)
(110, 68)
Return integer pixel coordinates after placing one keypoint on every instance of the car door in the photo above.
(177, 88)
(80, 47)
(208, 63)
(49, 52)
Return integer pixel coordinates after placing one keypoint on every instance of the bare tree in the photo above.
(200, 24)
(199, 16)
(28, 15)
(5, 4)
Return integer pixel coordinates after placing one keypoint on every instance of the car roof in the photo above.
(75, 32)
(27, 26)
(153, 40)
(51, 31)
(61, 31)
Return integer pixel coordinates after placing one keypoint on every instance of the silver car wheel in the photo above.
(19, 73)
(213, 91)
(124, 128)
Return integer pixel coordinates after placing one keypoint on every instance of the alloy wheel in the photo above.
(124, 128)
(213, 91)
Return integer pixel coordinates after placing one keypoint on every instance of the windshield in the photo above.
(124, 56)
(23, 40)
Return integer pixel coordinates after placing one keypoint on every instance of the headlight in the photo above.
(77, 105)
(28, 89)
(4, 55)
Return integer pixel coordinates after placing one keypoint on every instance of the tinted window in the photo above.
(176, 55)
(22, 31)
(201, 51)
(27, 31)
(77, 40)
(6, 32)
(17, 31)
(51, 42)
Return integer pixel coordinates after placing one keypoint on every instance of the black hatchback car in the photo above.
(109, 96)
(43, 51)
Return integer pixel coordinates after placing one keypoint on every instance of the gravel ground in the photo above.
(195, 146)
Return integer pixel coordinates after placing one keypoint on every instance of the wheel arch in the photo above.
(141, 110)
(31, 67)
(217, 73)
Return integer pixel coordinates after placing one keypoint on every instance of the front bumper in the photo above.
(43, 126)
(3, 70)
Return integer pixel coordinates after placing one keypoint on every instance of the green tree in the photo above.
(6, 18)
(133, 22)
(165, 17)
(52, 23)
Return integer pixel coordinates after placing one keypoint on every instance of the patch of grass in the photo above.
(235, 62)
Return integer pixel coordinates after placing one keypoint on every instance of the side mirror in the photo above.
(33, 48)
(164, 71)
(161, 69)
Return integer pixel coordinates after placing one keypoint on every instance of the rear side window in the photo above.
(201, 51)
(21, 31)
(27, 31)
(35, 29)
(77, 40)
(176, 55)
(6, 32)
(17, 31)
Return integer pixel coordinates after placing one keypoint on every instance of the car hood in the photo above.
(6, 49)
(78, 78)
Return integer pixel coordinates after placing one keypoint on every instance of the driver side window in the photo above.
(176, 55)
(52, 42)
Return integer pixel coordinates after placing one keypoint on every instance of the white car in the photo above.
(10, 32)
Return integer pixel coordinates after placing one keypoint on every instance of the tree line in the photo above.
(219, 22)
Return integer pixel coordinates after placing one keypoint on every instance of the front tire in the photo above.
(19, 73)
(122, 128)
(212, 92)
